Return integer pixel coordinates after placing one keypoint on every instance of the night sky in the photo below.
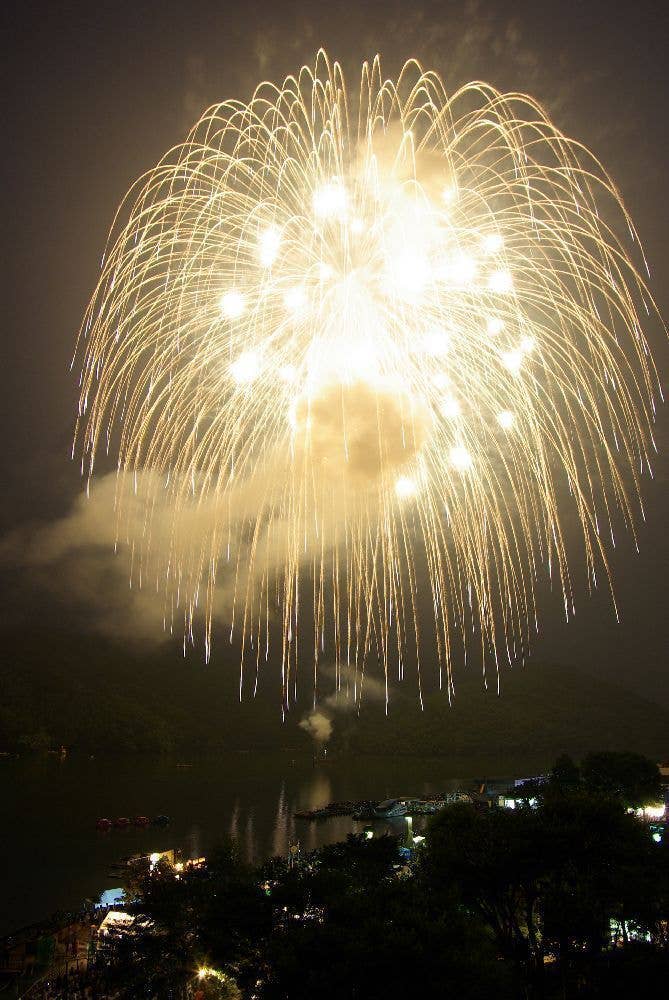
(96, 92)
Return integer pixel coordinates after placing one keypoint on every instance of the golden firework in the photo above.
(367, 354)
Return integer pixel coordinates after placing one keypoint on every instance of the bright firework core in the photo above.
(377, 350)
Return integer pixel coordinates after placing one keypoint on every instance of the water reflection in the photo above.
(259, 836)
(280, 823)
(320, 790)
(250, 798)
(251, 852)
(193, 847)
(234, 822)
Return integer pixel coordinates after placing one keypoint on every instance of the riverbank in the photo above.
(58, 859)
(375, 915)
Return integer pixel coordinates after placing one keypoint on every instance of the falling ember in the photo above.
(382, 346)
(506, 419)
(405, 487)
(232, 305)
(246, 367)
(492, 243)
(500, 281)
(269, 244)
(460, 457)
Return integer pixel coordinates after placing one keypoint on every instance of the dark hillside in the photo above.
(90, 695)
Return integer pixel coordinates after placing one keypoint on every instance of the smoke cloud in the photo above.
(318, 726)
(346, 699)
(139, 558)
(104, 561)
(360, 431)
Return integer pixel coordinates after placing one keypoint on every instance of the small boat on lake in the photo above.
(390, 808)
(346, 808)
(123, 822)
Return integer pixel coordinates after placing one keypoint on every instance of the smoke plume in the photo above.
(318, 725)
(345, 699)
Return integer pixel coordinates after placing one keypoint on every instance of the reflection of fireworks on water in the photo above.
(362, 356)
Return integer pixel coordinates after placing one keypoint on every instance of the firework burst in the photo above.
(371, 354)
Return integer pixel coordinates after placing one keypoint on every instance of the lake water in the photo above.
(54, 857)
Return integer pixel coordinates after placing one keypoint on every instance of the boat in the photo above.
(390, 808)
(121, 822)
(161, 820)
(333, 809)
(141, 821)
(103, 823)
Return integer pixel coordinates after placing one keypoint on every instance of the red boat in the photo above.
(141, 820)
(122, 822)
(104, 824)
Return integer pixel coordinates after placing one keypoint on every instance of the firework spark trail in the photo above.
(369, 343)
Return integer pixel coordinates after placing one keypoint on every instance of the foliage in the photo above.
(550, 882)
(597, 858)
(494, 863)
(347, 922)
(565, 773)
(210, 916)
(386, 942)
(503, 903)
(630, 777)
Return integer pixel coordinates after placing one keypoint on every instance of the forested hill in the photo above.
(542, 709)
(91, 695)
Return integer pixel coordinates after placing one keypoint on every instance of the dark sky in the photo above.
(95, 92)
